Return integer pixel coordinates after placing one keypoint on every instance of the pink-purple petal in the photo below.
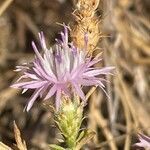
(29, 84)
(144, 141)
(51, 92)
(35, 85)
(103, 71)
(32, 99)
(93, 62)
(58, 99)
(79, 91)
(36, 51)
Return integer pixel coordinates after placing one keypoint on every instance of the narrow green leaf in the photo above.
(81, 136)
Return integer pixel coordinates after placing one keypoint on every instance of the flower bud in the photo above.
(69, 119)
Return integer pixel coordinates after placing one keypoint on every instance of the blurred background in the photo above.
(125, 25)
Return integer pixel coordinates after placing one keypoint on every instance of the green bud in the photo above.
(69, 119)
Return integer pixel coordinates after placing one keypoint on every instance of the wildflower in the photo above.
(62, 69)
(144, 142)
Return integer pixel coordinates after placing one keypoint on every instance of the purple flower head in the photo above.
(144, 142)
(62, 69)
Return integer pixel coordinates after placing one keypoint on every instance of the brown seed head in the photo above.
(84, 4)
(86, 22)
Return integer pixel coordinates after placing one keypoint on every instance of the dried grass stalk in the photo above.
(4, 6)
(21, 144)
(4, 147)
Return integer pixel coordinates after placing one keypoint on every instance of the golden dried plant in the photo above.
(20, 144)
(86, 24)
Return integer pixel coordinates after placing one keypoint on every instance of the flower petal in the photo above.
(29, 85)
(32, 99)
(58, 99)
(36, 51)
(95, 72)
(51, 92)
(79, 91)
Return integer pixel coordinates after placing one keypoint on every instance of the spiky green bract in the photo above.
(69, 119)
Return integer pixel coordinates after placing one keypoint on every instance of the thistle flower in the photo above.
(62, 69)
(144, 142)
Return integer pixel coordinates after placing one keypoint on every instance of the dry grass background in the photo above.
(125, 25)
